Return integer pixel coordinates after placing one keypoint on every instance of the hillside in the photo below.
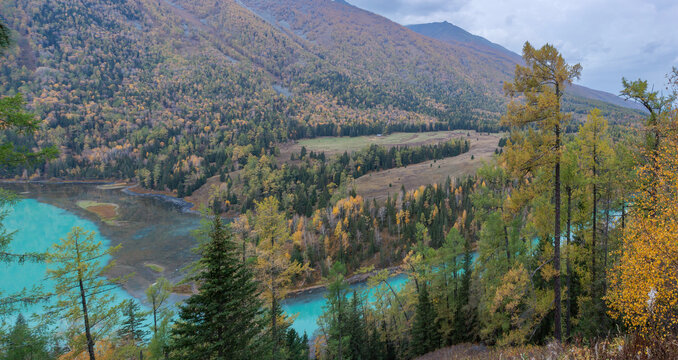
(577, 94)
(171, 93)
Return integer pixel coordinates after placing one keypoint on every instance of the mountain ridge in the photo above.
(448, 32)
(173, 92)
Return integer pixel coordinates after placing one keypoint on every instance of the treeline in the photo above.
(316, 182)
(121, 102)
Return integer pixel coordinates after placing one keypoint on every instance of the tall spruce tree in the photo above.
(222, 321)
(132, 329)
(425, 334)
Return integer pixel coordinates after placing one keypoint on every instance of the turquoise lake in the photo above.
(151, 231)
(37, 226)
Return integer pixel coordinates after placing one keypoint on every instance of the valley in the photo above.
(306, 179)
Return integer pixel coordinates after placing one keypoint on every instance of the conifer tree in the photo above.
(425, 335)
(595, 153)
(132, 327)
(82, 290)
(223, 320)
(333, 320)
(23, 343)
(274, 266)
(537, 124)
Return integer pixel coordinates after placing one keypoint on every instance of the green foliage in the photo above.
(132, 329)
(22, 342)
(84, 302)
(425, 334)
(159, 345)
(156, 294)
(14, 118)
(224, 319)
(5, 37)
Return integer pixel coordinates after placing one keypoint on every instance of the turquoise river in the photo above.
(155, 235)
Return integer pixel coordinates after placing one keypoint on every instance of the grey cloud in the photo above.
(611, 38)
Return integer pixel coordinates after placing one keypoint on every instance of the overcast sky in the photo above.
(610, 38)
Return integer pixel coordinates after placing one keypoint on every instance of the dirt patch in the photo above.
(105, 211)
(379, 185)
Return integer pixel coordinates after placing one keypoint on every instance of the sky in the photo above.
(609, 38)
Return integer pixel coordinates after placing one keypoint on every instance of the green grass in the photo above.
(155, 267)
(345, 143)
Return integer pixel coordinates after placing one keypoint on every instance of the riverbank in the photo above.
(351, 280)
(183, 205)
(133, 189)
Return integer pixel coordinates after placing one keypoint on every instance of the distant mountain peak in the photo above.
(450, 33)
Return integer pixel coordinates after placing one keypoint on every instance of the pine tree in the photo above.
(425, 335)
(132, 328)
(223, 320)
(333, 320)
(22, 343)
(356, 330)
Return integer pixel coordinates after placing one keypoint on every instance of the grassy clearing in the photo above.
(155, 267)
(337, 145)
(380, 184)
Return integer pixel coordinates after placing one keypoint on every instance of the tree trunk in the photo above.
(508, 250)
(88, 333)
(274, 320)
(556, 239)
(593, 237)
(568, 314)
(155, 318)
(605, 243)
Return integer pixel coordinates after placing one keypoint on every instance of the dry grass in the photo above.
(379, 184)
(620, 348)
(107, 212)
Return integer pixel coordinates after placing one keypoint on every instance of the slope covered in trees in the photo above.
(173, 92)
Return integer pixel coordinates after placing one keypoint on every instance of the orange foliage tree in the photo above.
(644, 285)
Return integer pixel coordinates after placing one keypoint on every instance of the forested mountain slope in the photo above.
(177, 91)
(576, 94)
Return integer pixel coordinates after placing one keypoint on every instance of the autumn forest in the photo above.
(551, 237)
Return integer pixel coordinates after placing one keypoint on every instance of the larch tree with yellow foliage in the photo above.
(537, 124)
(274, 266)
(78, 265)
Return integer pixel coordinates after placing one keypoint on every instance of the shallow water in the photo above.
(308, 307)
(151, 231)
(37, 226)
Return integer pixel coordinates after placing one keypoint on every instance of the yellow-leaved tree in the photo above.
(644, 286)
(275, 268)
